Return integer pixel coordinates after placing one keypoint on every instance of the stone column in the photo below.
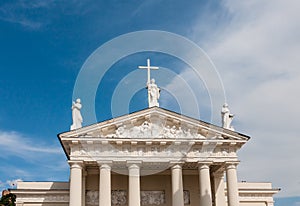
(219, 189)
(204, 184)
(75, 183)
(104, 184)
(232, 184)
(177, 186)
(134, 185)
(271, 203)
(84, 174)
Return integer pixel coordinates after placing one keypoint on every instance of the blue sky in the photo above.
(253, 44)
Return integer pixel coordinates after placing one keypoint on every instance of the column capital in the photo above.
(204, 164)
(176, 164)
(76, 164)
(133, 164)
(104, 164)
(231, 164)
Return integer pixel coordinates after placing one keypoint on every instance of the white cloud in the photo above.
(29, 156)
(188, 86)
(256, 54)
(13, 143)
(35, 14)
(19, 12)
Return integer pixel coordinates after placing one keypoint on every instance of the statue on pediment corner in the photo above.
(227, 117)
(76, 115)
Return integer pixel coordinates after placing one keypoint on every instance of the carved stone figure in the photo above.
(145, 129)
(166, 132)
(118, 197)
(92, 198)
(152, 197)
(173, 132)
(179, 132)
(148, 129)
(188, 133)
(153, 94)
(76, 115)
(186, 196)
(120, 132)
(226, 117)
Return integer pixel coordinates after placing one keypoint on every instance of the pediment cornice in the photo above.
(155, 123)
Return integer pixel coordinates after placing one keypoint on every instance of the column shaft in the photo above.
(232, 185)
(134, 185)
(205, 185)
(177, 186)
(105, 185)
(75, 184)
(219, 189)
(83, 187)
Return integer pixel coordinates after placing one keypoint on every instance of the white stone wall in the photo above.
(155, 190)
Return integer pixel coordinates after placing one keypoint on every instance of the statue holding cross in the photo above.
(153, 90)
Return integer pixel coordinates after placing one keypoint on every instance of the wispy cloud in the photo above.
(22, 12)
(15, 144)
(36, 14)
(256, 54)
(34, 159)
(189, 86)
(15, 171)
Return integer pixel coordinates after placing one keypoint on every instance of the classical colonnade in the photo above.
(77, 184)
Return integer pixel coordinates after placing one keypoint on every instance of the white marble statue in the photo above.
(153, 94)
(153, 90)
(226, 117)
(76, 115)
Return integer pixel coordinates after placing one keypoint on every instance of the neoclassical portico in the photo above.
(77, 181)
(159, 141)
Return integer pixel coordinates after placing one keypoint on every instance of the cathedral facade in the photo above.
(146, 158)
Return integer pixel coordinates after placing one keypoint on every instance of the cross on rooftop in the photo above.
(148, 67)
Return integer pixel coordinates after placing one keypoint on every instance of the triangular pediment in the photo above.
(155, 123)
